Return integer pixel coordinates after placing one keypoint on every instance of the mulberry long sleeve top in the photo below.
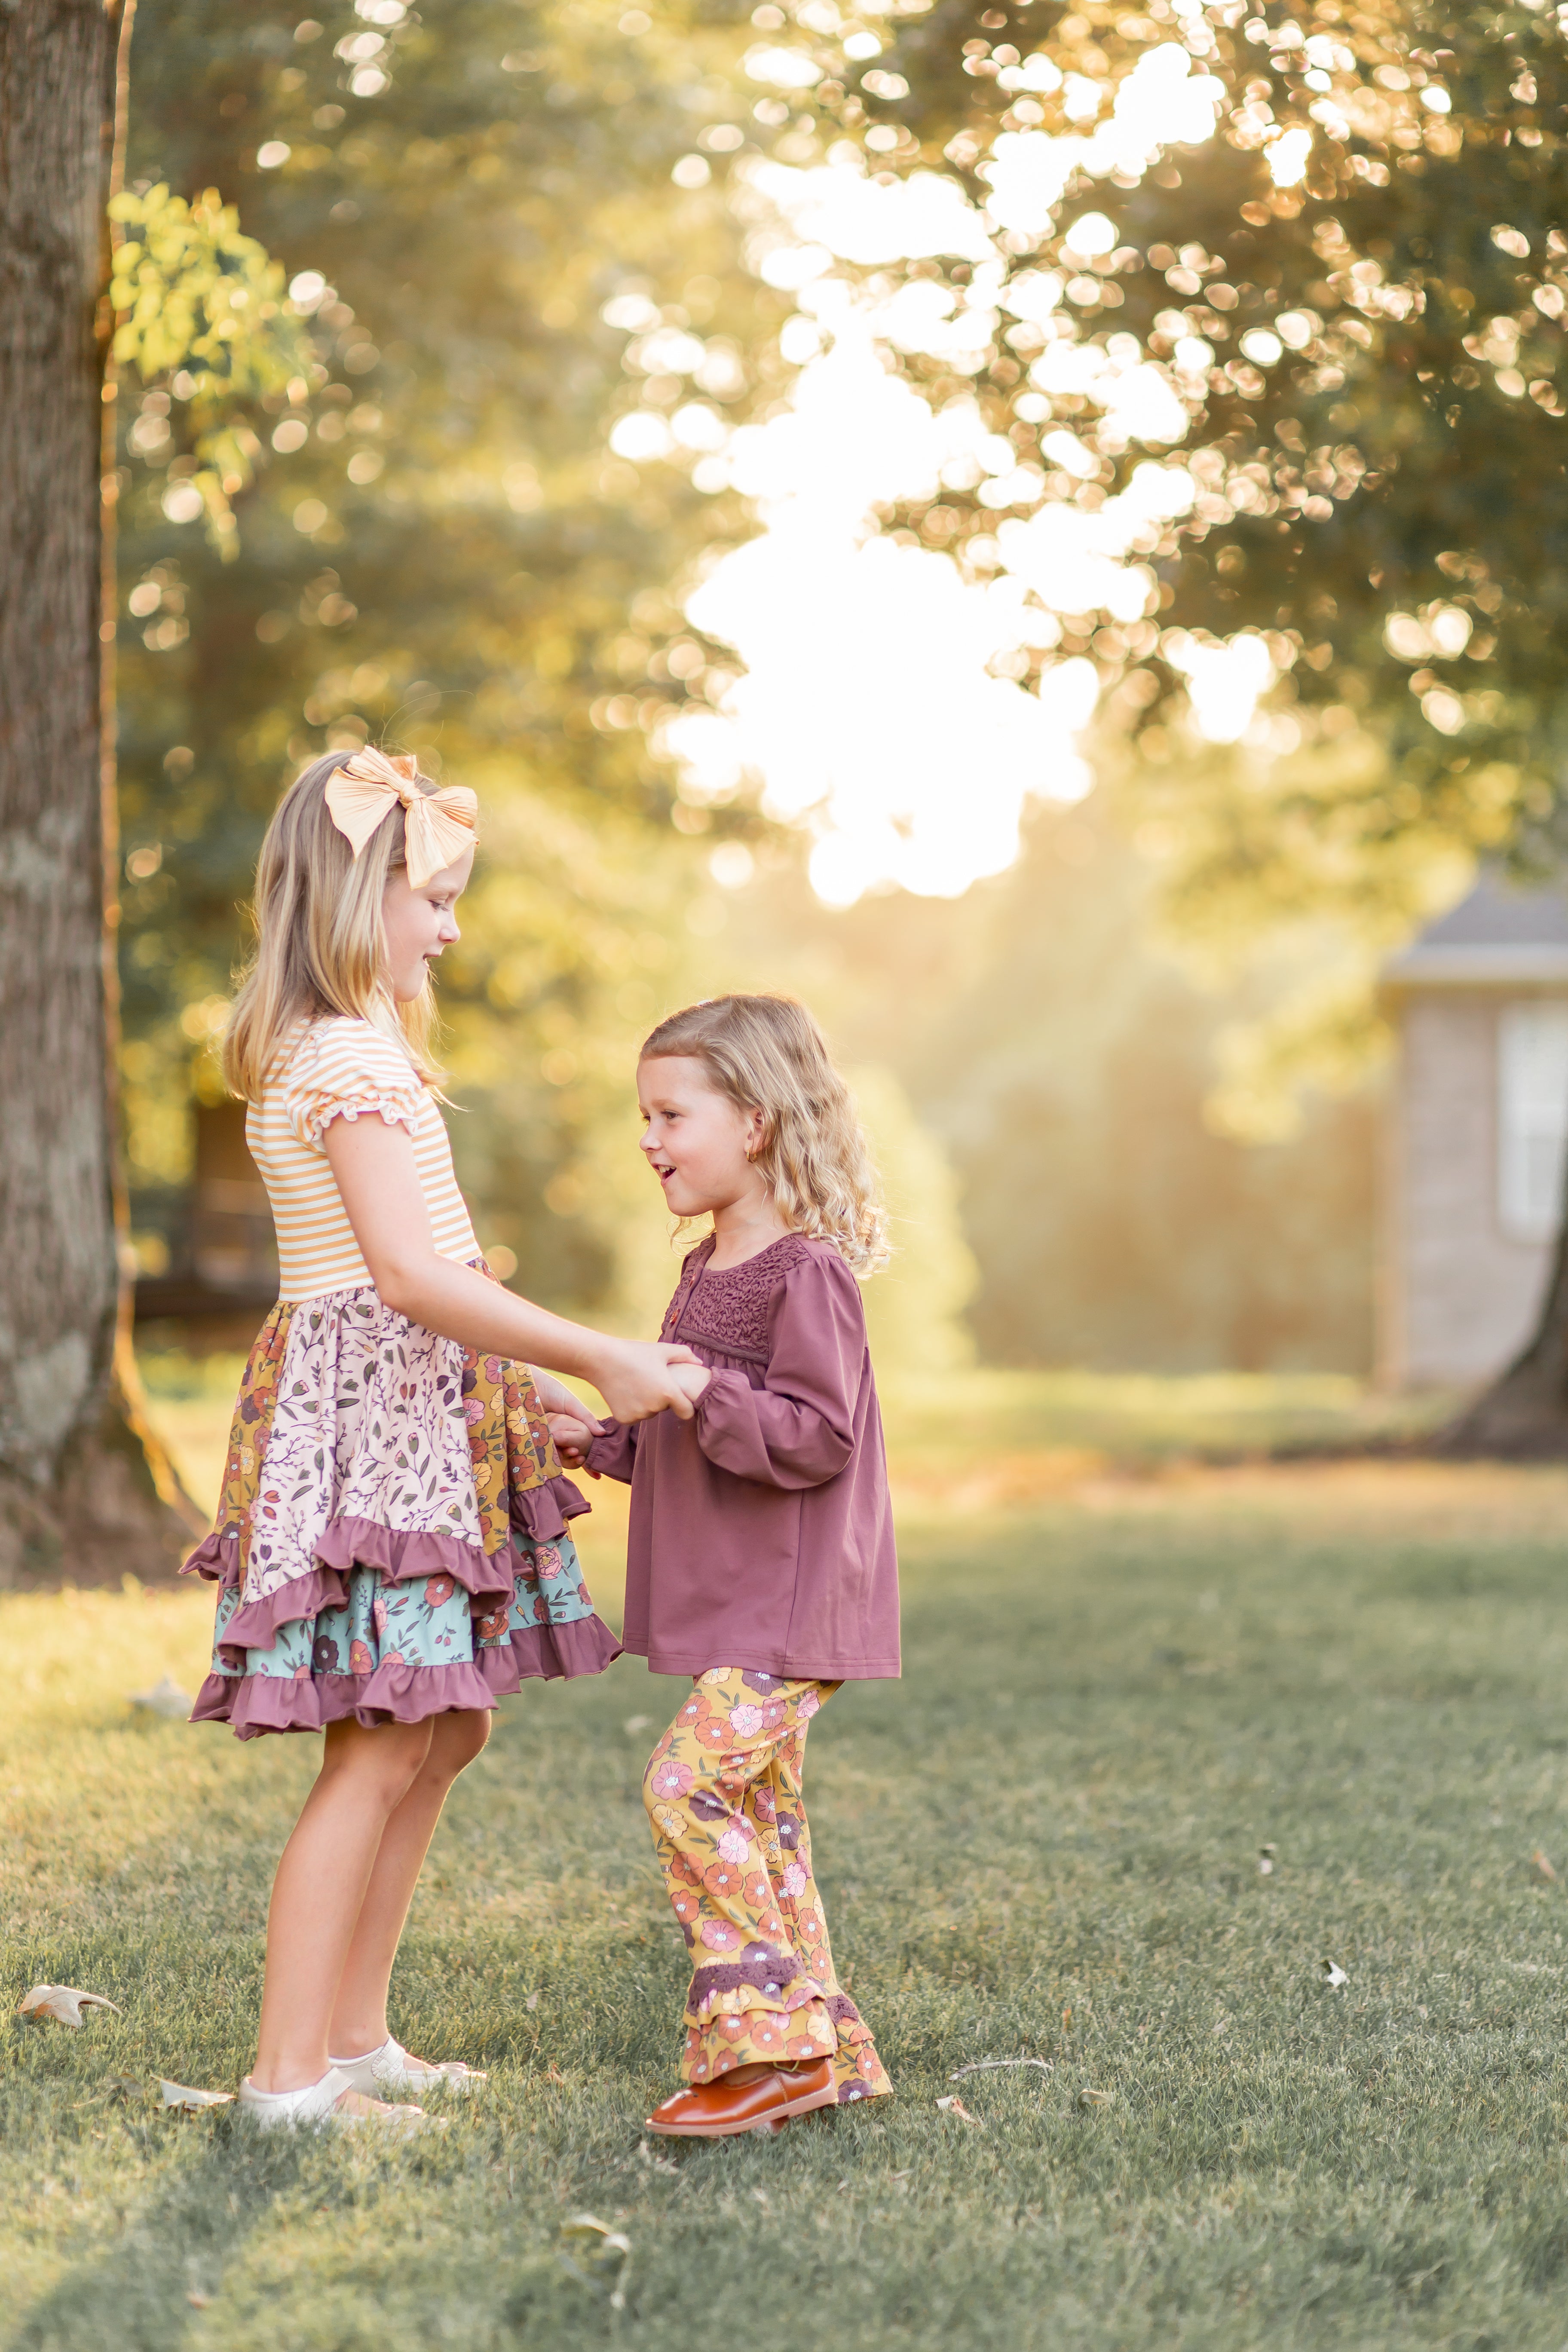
(761, 1530)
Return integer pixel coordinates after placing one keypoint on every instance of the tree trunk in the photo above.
(1524, 1413)
(80, 1490)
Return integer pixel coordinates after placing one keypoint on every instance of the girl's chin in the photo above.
(682, 1204)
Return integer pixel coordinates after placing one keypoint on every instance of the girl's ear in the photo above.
(756, 1132)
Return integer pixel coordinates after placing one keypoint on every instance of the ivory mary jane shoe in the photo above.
(382, 2073)
(751, 2098)
(322, 2106)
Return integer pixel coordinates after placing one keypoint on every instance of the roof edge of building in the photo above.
(1491, 965)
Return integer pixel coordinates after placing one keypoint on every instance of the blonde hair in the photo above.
(320, 947)
(767, 1053)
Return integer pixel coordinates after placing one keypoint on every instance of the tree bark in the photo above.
(83, 1490)
(1524, 1412)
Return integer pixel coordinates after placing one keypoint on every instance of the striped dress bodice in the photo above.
(342, 1068)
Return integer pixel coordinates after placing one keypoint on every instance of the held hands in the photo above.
(638, 1384)
(693, 1378)
(570, 1422)
(557, 1399)
(573, 1436)
(637, 1378)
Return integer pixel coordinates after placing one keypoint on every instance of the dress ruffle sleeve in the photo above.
(349, 1069)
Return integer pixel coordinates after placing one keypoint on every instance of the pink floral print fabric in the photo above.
(722, 1790)
(368, 1422)
(391, 1539)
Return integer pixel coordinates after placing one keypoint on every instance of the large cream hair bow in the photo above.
(438, 827)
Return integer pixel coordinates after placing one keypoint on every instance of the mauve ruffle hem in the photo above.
(394, 1692)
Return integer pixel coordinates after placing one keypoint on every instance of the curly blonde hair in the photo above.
(766, 1054)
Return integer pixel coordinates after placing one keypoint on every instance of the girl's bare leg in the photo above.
(320, 1890)
(358, 2016)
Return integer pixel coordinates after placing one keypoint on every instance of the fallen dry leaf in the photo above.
(180, 2094)
(1542, 1867)
(64, 2003)
(654, 2163)
(1087, 2098)
(635, 1723)
(165, 1698)
(983, 2065)
(1333, 1974)
(551, 2076)
(953, 2105)
(588, 2225)
(532, 2001)
(1265, 1861)
(597, 2243)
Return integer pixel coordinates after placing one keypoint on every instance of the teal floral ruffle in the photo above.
(402, 1650)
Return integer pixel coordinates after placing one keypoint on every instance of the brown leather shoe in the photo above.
(751, 2098)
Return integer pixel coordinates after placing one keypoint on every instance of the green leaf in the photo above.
(192, 292)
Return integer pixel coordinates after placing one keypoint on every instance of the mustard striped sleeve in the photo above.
(347, 1070)
(343, 1070)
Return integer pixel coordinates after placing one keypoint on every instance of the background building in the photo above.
(1472, 1191)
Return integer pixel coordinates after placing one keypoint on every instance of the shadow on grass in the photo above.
(144, 2291)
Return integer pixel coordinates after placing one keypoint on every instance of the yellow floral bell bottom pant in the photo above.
(724, 1793)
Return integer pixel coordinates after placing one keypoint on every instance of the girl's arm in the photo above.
(561, 1402)
(378, 1178)
(799, 1430)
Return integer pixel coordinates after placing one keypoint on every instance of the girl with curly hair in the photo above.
(760, 1559)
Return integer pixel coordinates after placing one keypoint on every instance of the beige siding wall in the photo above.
(1459, 1296)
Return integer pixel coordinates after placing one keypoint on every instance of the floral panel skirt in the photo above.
(392, 1541)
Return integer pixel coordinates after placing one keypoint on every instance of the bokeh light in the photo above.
(876, 707)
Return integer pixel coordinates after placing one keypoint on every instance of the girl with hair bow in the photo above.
(391, 1548)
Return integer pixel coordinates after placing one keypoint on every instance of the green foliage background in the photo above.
(437, 550)
(1384, 460)
(1402, 453)
(449, 559)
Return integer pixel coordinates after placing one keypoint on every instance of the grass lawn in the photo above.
(1044, 1842)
